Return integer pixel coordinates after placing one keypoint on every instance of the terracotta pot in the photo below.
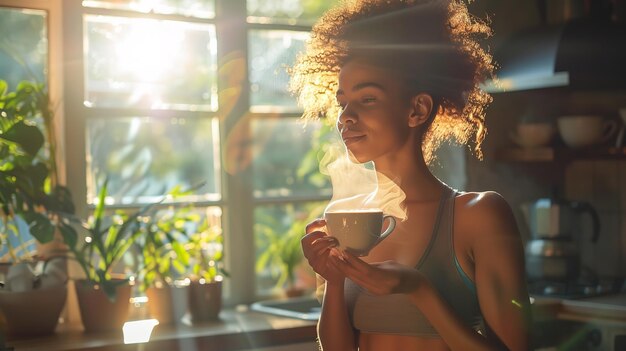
(205, 301)
(32, 313)
(167, 304)
(97, 312)
(294, 291)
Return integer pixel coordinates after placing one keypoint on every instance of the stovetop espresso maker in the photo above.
(553, 254)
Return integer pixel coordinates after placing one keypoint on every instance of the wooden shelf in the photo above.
(562, 154)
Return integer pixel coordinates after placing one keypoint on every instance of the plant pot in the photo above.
(205, 301)
(168, 303)
(97, 312)
(294, 291)
(32, 313)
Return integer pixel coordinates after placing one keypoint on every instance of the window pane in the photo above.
(271, 52)
(145, 157)
(306, 10)
(191, 8)
(23, 46)
(285, 158)
(152, 64)
(275, 226)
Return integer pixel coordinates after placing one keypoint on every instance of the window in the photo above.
(23, 46)
(167, 93)
(177, 93)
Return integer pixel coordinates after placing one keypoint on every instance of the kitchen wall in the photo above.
(600, 182)
(603, 183)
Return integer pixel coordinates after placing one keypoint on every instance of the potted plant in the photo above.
(283, 254)
(103, 296)
(29, 196)
(164, 261)
(205, 248)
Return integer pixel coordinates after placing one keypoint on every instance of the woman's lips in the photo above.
(352, 139)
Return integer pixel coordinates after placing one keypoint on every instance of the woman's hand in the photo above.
(318, 248)
(381, 278)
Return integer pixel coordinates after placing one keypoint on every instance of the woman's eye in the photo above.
(367, 100)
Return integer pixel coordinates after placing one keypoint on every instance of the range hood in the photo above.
(578, 54)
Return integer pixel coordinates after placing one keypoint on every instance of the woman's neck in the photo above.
(413, 176)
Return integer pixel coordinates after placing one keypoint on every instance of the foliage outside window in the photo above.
(152, 116)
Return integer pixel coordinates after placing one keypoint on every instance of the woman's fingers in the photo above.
(315, 225)
(330, 240)
(348, 268)
(309, 238)
(316, 248)
(363, 280)
(356, 263)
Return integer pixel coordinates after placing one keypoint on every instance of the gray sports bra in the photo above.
(395, 314)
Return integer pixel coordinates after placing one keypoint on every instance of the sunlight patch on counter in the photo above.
(138, 331)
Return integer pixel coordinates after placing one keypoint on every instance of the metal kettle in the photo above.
(552, 254)
(556, 219)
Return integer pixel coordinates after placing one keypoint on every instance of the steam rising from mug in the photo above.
(359, 187)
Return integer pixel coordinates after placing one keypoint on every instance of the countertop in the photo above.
(244, 329)
(610, 308)
(238, 329)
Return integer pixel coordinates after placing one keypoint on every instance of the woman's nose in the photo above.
(346, 116)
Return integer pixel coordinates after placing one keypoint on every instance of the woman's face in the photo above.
(374, 121)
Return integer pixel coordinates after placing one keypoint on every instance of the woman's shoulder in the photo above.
(484, 212)
(481, 201)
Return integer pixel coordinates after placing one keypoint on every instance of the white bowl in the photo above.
(531, 135)
(585, 130)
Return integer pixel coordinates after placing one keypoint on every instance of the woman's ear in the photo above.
(421, 108)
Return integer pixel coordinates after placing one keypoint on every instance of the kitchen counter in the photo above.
(610, 308)
(238, 329)
(594, 323)
(244, 329)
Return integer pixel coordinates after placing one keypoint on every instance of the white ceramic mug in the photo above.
(531, 135)
(585, 130)
(358, 231)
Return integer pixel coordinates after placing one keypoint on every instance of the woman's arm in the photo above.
(499, 269)
(500, 279)
(334, 329)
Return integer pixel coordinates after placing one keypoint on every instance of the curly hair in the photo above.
(433, 43)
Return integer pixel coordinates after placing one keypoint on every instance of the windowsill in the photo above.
(235, 330)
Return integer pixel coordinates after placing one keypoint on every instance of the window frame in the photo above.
(66, 88)
(232, 27)
(66, 79)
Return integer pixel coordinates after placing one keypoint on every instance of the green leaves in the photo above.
(26, 162)
(3, 88)
(283, 252)
(163, 252)
(182, 256)
(29, 137)
(70, 236)
(40, 226)
(108, 239)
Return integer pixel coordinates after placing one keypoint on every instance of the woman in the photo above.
(405, 75)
